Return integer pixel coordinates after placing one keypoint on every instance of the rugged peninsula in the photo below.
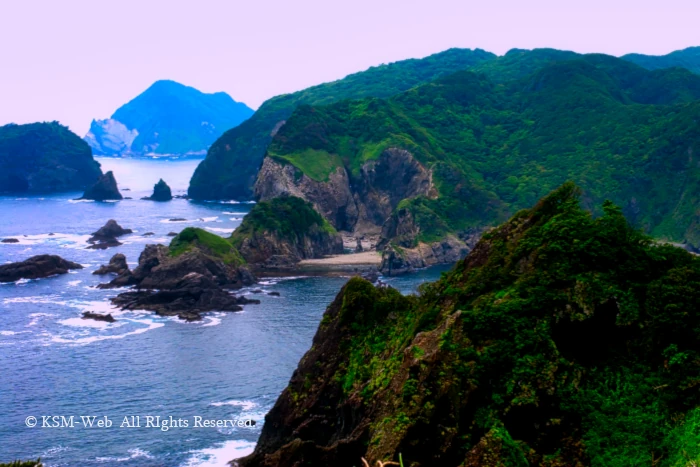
(44, 158)
(562, 339)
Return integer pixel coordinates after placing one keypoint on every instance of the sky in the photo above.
(75, 60)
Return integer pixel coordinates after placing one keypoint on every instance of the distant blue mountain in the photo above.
(168, 118)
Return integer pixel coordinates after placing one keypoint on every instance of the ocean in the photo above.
(164, 371)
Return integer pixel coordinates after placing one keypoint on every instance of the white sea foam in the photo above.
(234, 213)
(220, 455)
(208, 219)
(60, 239)
(236, 218)
(89, 323)
(73, 201)
(133, 454)
(243, 404)
(212, 321)
(89, 340)
(218, 229)
(74, 283)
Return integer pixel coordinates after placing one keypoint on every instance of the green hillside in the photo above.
(618, 130)
(687, 58)
(232, 162)
(563, 339)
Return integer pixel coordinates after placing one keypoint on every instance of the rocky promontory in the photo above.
(283, 231)
(36, 267)
(191, 276)
(44, 158)
(105, 189)
(563, 339)
(161, 192)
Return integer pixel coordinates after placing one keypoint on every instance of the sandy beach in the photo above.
(352, 259)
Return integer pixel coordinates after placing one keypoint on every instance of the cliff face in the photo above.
(284, 231)
(44, 158)
(561, 340)
(358, 204)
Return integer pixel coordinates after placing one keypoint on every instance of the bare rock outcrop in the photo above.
(36, 267)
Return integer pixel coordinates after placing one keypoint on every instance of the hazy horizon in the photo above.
(99, 57)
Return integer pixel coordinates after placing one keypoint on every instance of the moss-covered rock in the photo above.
(283, 231)
(563, 339)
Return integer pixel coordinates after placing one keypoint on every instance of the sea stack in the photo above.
(104, 189)
(161, 192)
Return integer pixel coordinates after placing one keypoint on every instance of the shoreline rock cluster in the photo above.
(36, 267)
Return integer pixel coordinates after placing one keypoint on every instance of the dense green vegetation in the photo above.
(563, 339)
(232, 162)
(44, 157)
(170, 118)
(192, 237)
(618, 130)
(687, 58)
(288, 218)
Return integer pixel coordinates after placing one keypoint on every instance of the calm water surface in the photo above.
(229, 366)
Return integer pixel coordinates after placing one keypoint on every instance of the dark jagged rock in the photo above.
(281, 232)
(108, 318)
(106, 236)
(161, 192)
(9, 240)
(358, 248)
(117, 265)
(148, 234)
(189, 277)
(274, 294)
(172, 234)
(36, 267)
(105, 189)
(44, 158)
(552, 340)
(177, 219)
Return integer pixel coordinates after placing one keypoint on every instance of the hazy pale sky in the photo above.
(75, 60)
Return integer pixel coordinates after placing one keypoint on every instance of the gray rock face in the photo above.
(360, 205)
(104, 189)
(110, 137)
(266, 249)
(36, 267)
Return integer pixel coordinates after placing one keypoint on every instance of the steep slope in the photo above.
(232, 163)
(43, 158)
(561, 340)
(167, 118)
(282, 232)
(687, 58)
(473, 151)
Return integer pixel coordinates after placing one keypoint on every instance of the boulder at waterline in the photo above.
(105, 189)
(36, 267)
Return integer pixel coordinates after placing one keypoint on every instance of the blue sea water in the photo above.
(53, 363)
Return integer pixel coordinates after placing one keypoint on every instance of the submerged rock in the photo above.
(98, 316)
(104, 189)
(161, 192)
(172, 234)
(36, 267)
(117, 265)
(9, 240)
